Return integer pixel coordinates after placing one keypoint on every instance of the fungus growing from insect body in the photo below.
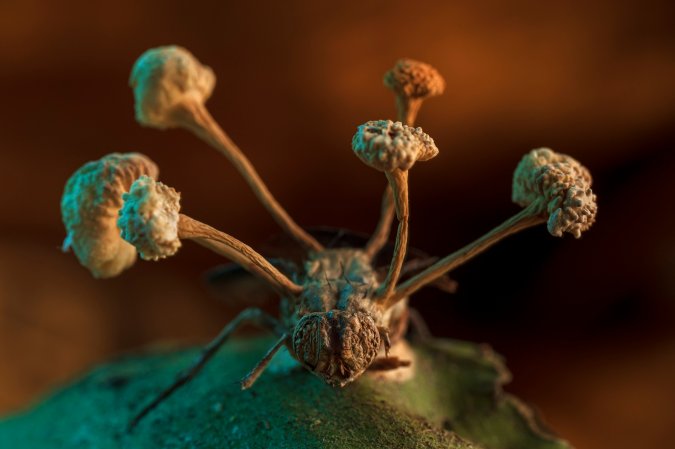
(338, 317)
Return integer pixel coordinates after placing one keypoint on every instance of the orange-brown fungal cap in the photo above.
(414, 79)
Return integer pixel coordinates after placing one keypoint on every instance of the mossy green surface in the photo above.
(454, 401)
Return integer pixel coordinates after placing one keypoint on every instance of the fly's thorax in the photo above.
(348, 264)
(333, 279)
(336, 345)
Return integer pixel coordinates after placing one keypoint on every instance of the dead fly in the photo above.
(337, 312)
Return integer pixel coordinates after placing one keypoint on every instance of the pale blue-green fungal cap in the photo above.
(89, 207)
(163, 79)
(149, 218)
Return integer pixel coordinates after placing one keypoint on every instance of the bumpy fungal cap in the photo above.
(162, 79)
(149, 218)
(414, 79)
(387, 146)
(565, 186)
(89, 206)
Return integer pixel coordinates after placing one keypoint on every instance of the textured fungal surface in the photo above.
(89, 209)
(565, 186)
(414, 79)
(149, 218)
(163, 78)
(386, 145)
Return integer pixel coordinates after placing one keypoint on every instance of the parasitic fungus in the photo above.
(393, 148)
(151, 221)
(89, 205)
(149, 218)
(166, 80)
(564, 183)
(551, 187)
(412, 82)
(170, 88)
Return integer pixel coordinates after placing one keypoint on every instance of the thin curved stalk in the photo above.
(198, 119)
(528, 217)
(383, 229)
(398, 180)
(237, 251)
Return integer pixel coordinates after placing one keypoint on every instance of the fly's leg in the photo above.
(388, 364)
(252, 315)
(251, 377)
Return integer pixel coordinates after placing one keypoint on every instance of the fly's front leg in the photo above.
(252, 376)
(252, 315)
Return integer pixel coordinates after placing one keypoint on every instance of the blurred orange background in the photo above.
(587, 326)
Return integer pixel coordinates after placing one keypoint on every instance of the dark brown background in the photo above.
(587, 326)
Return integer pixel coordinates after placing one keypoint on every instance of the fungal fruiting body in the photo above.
(563, 184)
(338, 315)
(89, 207)
(166, 80)
(149, 218)
(387, 146)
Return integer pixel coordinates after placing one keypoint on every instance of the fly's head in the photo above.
(337, 333)
(337, 345)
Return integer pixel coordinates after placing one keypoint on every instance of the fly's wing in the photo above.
(235, 286)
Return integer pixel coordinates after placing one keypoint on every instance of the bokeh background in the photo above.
(587, 326)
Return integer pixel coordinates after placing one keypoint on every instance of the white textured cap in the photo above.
(563, 183)
(162, 79)
(149, 218)
(91, 199)
(387, 146)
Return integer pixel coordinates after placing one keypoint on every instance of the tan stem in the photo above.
(398, 180)
(528, 217)
(383, 229)
(237, 251)
(195, 117)
(407, 109)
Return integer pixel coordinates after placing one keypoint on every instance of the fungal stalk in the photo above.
(170, 89)
(412, 82)
(553, 188)
(393, 148)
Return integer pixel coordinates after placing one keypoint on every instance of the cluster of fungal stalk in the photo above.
(115, 208)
